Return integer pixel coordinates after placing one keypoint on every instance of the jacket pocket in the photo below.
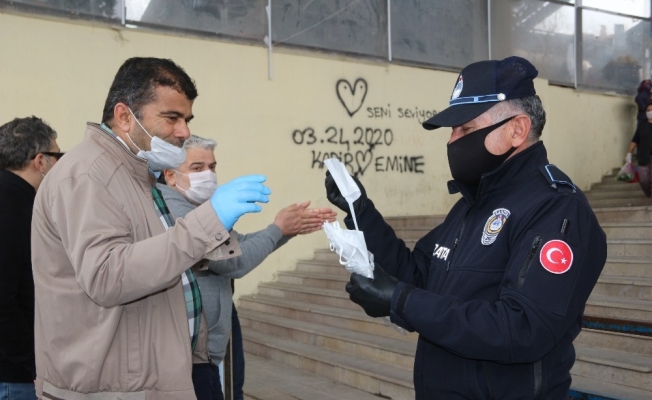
(532, 252)
(134, 355)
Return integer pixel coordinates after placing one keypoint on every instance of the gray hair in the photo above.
(22, 139)
(194, 142)
(530, 106)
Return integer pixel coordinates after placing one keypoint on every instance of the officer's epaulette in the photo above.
(557, 179)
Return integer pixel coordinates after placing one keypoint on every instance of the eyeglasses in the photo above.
(54, 154)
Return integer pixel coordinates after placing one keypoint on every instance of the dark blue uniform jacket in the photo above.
(490, 290)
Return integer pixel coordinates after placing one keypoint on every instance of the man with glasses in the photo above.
(497, 291)
(28, 150)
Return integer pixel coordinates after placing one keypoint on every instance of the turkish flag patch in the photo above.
(556, 256)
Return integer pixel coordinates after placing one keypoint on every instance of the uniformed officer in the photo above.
(497, 291)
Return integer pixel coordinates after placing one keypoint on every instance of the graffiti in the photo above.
(364, 147)
(359, 147)
(360, 136)
(351, 97)
(402, 113)
(358, 162)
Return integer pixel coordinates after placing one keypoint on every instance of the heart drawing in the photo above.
(351, 97)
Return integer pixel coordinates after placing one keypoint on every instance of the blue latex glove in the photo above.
(237, 197)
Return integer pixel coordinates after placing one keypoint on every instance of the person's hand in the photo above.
(298, 219)
(628, 157)
(237, 197)
(335, 197)
(374, 296)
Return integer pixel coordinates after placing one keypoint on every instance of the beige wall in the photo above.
(62, 71)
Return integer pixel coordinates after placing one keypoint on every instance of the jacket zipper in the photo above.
(460, 232)
(528, 261)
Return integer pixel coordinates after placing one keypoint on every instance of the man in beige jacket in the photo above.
(117, 308)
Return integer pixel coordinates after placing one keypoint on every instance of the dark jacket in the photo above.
(16, 282)
(642, 99)
(493, 322)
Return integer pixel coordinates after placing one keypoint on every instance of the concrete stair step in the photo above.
(623, 214)
(627, 230)
(629, 248)
(619, 367)
(327, 297)
(615, 194)
(372, 347)
(384, 380)
(342, 318)
(624, 287)
(614, 186)
(419, 221)
(596, 338)
(628, 267)
(313, 279)
(272, 380)
(412, 233)
(620, 202)
(326, 255)
(615, 307)
(604, 390)
(322, 266)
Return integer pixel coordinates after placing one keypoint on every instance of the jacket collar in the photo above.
(20, 185)
(137, 166)
(511, 172)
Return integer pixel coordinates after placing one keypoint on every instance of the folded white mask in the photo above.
(351, 248)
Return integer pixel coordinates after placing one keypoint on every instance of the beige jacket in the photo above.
(110, 314)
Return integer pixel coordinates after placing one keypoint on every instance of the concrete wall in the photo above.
(314, 106)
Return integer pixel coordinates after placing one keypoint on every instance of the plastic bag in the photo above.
(626, 173)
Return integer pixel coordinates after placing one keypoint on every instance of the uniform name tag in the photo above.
(441, 252)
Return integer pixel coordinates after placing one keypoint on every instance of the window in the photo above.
(444, 33)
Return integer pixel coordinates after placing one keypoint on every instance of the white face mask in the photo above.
(648, 114)
(202, 185)
(162, 155)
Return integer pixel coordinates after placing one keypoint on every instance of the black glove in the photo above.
(374, 296)
(335, 197)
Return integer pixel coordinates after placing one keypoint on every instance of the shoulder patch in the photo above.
(556, 178)
(494, 225)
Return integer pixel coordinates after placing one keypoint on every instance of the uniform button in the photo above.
(218, 236)
(228, 242)
(231, 251)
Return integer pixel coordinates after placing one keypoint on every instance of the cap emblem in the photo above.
(458, 88)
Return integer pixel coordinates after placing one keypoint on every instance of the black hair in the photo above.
(136, 80)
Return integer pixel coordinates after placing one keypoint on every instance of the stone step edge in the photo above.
(630, 328)
(625, 280)
(614, 358)
(606, 390)
(630, 241)
(626, 224)
(617, 302)
(324, 356)
(397, 346)
(314, 308)
(621, 208)
(628, 260)
(290, 287)
(314, 275)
